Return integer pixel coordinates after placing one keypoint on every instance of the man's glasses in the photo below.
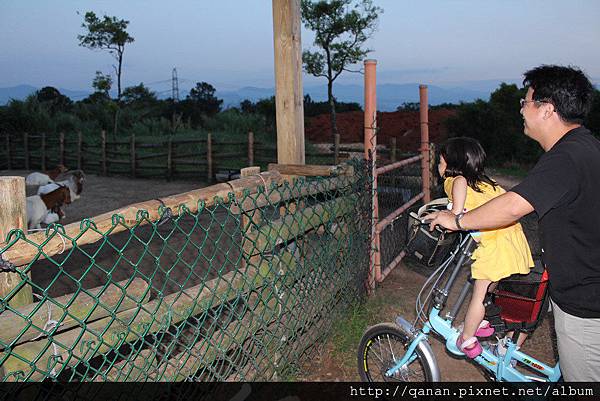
(523, 102)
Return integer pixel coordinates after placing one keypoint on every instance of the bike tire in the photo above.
(381, 346)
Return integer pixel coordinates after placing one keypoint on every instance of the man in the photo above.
(564, 190)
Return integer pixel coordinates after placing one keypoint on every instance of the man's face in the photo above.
(532, 116)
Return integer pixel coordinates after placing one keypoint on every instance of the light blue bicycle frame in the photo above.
(499, 366)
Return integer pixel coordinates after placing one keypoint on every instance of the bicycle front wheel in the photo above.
(381, 347)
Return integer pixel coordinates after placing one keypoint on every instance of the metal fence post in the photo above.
(370, 124)
(424, 117)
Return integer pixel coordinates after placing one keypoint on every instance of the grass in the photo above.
(350, 327)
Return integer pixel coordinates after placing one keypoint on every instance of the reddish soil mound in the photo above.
(404, 125)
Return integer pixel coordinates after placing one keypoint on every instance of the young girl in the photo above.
(500, 253)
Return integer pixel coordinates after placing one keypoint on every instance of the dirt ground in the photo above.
(103, 194)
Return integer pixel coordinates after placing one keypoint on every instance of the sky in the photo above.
(229, 43)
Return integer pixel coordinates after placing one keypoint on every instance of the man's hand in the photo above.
(444, 218)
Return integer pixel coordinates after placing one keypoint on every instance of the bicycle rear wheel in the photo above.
(381, 347)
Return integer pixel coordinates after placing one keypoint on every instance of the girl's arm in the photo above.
(459, 194)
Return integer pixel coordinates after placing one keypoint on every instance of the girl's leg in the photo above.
(476, 310)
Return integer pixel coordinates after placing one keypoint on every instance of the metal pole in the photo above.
(371, 154)
(424, 117)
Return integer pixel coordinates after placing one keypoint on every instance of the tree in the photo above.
(102, 83)
(138, 95)
(203, 97)
(341, 29)
(53, 100)
(108, 33)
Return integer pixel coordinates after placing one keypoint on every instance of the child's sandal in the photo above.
(470, 347)
(484, 329)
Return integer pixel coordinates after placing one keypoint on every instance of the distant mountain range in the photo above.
(389, 96)
(20, 92)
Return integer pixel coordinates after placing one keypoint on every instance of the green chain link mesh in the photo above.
(242, 290)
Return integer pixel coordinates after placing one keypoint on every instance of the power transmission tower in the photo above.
(175, 86)
(175, 95)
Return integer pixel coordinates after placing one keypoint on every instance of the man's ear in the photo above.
(548, 110)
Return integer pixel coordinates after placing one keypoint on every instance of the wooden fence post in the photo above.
(393, 156)
(8, 152)
(336, 149)
(169, 158)
(43, 152)
(209, 160)
(79, 150)
(103, 152)
(132, 155)
(250, 148)
(61, 151)
(13, 215)
(26, 149)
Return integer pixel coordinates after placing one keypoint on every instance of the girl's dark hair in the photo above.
(465, 156)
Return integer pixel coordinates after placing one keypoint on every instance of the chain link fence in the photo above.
(238, 281)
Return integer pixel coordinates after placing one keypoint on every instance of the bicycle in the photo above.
(400, 351)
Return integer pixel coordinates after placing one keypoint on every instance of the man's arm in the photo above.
(499, 212)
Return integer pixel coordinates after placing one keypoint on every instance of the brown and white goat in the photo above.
(45, 178)
(38, 206)
(72, 179)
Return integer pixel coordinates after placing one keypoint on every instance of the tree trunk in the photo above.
(334, 130)
(119, 76)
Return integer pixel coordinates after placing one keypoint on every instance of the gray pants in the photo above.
(578, 346)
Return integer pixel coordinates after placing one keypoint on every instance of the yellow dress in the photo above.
(500, 252)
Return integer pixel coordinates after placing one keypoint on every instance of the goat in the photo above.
(73, 179)
(39, 205)
(47, 178)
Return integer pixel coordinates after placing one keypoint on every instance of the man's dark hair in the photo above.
(567, 88)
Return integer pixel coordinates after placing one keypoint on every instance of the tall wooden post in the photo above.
(43, 152)
(132, 155)
(424, 117)
(250, 148)
(61, 151)
(209, 160)
(393, 155)
(13, 215)
(336, 149)
(26, 149)
(289, 98)
(370, 124)
(103, 152)
(8, 151)
(79, 150)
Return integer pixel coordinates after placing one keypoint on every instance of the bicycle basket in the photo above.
(428, 247)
